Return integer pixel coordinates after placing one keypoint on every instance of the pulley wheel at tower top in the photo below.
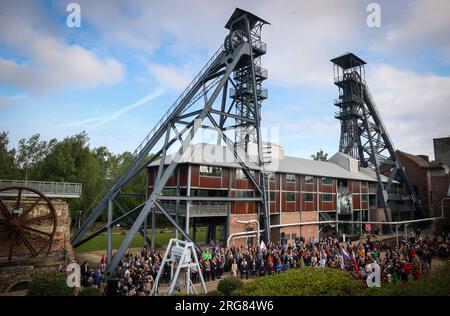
(27, 223)
(234, 39)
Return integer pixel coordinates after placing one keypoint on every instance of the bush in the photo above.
(228, 285)
(215, 293)
(435, 283)
(90, 291)
(50, 284)
(308, 281)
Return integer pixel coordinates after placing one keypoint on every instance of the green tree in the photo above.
(7, 158)
(30, 153)
(320, 156)
(71, 160)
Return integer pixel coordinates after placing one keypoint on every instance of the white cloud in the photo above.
(46, 62)
(415, 107)
(424, 23)
(172, 76)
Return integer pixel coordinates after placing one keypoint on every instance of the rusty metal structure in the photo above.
(224, 97)
(365, 137)
(24, 231)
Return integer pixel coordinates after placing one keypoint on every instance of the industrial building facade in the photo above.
(210, 185)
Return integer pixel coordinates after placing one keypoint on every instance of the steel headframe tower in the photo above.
(363, 134)
(204, 104)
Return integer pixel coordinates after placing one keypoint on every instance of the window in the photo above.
(290, 178)
(272, 197)
(244, 194)
(326, 180)
(210, 171)
(309, 197)
(342, 183)
(364, 198)
(309, 179)
(327, 198)
(240, 175)
(290, 196)
(202, 192)
(169, 192)
(364, 184)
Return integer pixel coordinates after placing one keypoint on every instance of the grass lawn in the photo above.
(161, 239)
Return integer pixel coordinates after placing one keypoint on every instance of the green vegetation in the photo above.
(90, 291)
(312, 281)
(320, 156)
(161, 239)
(229, 284)
(215, 293)
(50, 284)
(436, 283)
(308, 281)
(69, 160)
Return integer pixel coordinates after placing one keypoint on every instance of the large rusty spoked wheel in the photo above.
(27, 222)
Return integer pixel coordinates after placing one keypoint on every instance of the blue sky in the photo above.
(119, 72)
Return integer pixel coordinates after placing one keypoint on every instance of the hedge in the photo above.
(50, 284)
(435, 283)
(91, 291)
(308, 281)
(228, 285)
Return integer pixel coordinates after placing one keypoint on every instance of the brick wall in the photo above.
(24, 268)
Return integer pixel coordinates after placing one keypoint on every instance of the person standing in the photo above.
(234, 268)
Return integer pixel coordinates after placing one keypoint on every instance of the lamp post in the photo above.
(257, 226)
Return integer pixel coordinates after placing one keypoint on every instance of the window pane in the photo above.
(364, 197)
(244, 194)
(290, 196)
(326, 180)
(327, 197)
(210, 171)
(290, 177)
(272, 196)
(309, 179)
(240, 175)
(309, 197)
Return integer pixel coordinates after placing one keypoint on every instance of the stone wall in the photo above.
(23, 268)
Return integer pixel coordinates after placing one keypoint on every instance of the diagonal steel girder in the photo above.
(137, 163)
(230, 61)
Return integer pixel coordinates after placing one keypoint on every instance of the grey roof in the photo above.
(214, 155)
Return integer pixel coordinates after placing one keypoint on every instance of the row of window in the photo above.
(211, 171)
(309, 197)
(308, 179)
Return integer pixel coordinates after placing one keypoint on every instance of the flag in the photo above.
(355, 265)
(263, 245)
(341, 261)
(345, 254)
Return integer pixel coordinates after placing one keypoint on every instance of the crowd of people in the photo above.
(137, 272)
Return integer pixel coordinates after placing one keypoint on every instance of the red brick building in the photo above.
(431, 182)
(213, 189)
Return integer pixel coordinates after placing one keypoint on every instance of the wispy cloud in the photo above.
(101, 120)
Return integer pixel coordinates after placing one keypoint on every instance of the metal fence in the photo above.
(50, 189)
